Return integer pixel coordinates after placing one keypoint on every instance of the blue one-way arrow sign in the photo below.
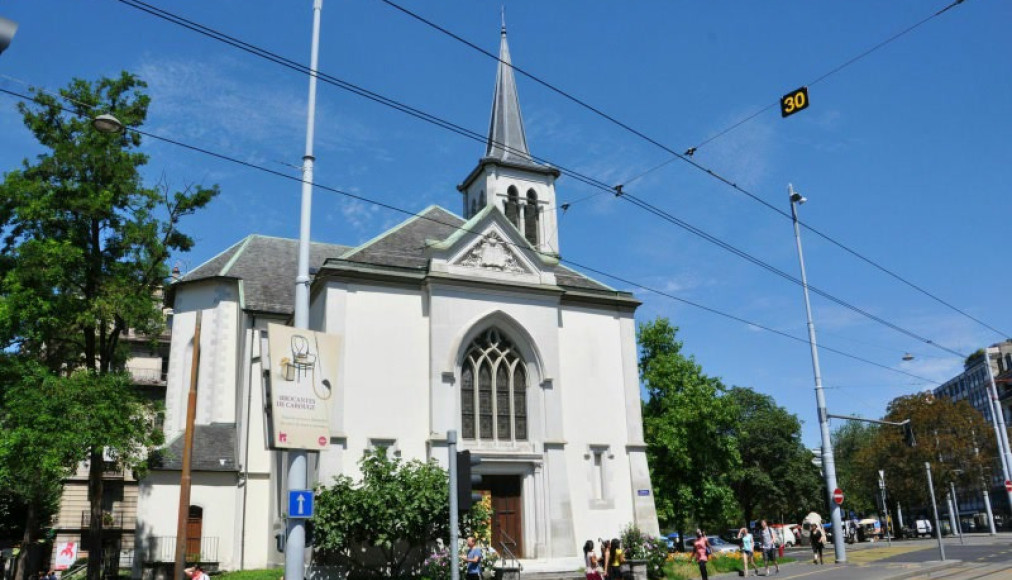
(300, 503)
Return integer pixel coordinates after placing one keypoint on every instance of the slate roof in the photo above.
(267, 266)
(213, 450)
(404, 245)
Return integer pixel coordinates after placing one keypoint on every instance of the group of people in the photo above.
(768, 547)
(608, 564)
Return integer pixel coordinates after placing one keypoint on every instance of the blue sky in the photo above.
(904, 155)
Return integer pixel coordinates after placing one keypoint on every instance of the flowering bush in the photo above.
(640, 546)
(437, 565)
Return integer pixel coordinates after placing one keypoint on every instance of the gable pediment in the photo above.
(489, 247)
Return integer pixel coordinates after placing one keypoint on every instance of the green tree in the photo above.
(952, 436)
(848, 441)
(84, 249)
(397, 511)
(687, 425)
(777, 476)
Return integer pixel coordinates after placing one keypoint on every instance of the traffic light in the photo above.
(466, 480)
(908, 434)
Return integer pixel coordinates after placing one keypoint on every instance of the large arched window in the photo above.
(531, 218)
(513, 206)
(493, 390)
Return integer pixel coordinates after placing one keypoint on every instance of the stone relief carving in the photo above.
(493, 253)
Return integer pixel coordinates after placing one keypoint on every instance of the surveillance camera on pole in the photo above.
(7, 30)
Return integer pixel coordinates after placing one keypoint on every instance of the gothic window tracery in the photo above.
(495, 406)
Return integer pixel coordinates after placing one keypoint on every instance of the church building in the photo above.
(446, 322)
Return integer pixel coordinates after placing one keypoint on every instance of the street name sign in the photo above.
(300, 503)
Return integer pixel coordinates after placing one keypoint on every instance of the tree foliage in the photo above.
(382, 525)
(688, 426)
(83, 250)
(951, 435)
(777, 476)
(848, 440)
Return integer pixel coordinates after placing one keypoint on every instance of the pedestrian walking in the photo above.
(605, 558)
(701, 552)
(473, 560)
(747, 548)
(818, 543)
(769, 546)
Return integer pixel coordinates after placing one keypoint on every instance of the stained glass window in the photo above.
(500, 412)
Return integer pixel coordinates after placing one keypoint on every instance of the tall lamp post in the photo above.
(828, 462)
(998, 420)
(295, 544)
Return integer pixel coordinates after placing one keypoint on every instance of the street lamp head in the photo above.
(7, 30)
(107, 124)
(798, 198)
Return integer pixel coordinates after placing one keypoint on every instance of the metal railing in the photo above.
(110, 520)
(506, 554)
(163, 549)
(147, 376)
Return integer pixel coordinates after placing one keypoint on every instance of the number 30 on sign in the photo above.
(793, 102)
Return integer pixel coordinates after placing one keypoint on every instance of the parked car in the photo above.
(717, 545)
(923, 527)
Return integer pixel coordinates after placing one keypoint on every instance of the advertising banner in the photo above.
(303, 379)
(66, 555)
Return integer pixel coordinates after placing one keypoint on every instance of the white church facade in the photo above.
(446, 322)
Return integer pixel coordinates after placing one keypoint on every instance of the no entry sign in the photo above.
(1008, 485)
(838, 495)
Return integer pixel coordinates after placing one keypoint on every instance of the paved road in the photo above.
(981, 557)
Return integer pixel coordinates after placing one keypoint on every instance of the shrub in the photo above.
(640, 546)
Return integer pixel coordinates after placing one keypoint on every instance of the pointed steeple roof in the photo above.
(506, 138)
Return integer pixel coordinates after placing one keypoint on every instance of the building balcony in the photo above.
(111, 520)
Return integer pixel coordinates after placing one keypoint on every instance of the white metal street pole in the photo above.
(934, 510)
(451, 446)
(885, 508)
(295, 545)
(955, 514)
(1000, 432)
(828, 462)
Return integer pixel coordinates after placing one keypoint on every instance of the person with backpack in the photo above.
(701, 552)
(818, 543)
(769, 546)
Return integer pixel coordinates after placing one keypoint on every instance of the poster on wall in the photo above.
(303, 378)
(66, 555)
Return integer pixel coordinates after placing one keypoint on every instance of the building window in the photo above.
(513, 206)
(598, 456)
(497, 408)
(388, 446)
(531, 218)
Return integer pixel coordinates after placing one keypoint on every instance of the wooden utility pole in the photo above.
(184, 479)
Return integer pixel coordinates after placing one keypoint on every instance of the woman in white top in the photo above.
(590, 561)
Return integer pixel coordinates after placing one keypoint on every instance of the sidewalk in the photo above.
(863, 564)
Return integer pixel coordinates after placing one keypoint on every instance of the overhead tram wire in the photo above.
(460, 130)
(831, 72)
(283, 175)
(687, 156)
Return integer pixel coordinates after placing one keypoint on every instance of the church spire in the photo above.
(506, 139)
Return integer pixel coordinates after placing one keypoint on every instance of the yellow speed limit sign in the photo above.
(794, 101)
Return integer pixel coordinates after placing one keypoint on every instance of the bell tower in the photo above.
(507, 177)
